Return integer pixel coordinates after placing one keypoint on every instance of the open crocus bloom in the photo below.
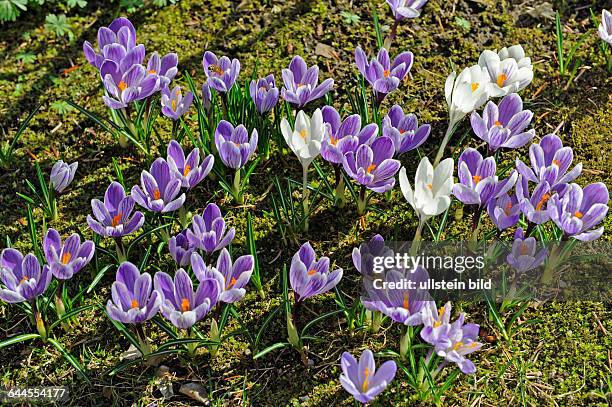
(404, 130)
(466, 92)
(233, 144)
(509, 70)
(373, 166)
(344, 136)
(221, 72)
(309, 276)
(503, 126)
(174, 105)
(113, 217)
(124, 85)
(232, 276)
(305, 140)
(523, 256)
(180, 304)
(188, 170)
(534, 206)
(579, 211)
(115, 42)
(504, 211)
(361, 379)
(159, 190)
(384, 75)
(302, 83)
(65, 260)
(208, 231)
(432, 189)
(133, 298)
(22, 276)
(165, 68)
(452, 341)
(406, 8)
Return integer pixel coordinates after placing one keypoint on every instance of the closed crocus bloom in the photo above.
(165, 68)
(383, 74)
(605, 28)
(188, 170)
(504, 126)
(363, 257)
(302, 83)
(113, 217)
(451, 340)
(208, 231)
(174, 105)
(221, 72)
(180, 304)
(478, 183)
(466, 92)
(67, 259)
(206, 97)
(233, 144)
(305, 140)
(524, 255)
(504, 211)
(62, 175)
(124, 86)
(432, 189)
(159, 190)
(114, 42)
(406, 8)
(181, 249)
(264, 93)
(550, 162)
(361, 379)
(373, 166)
(509, 70)
(133, 298)
(534, 204)
(309, 276)
(343, 136)
(22, 277)
(579, 211)
(232, 276)
(404, 130)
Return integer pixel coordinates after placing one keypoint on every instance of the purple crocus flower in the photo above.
(133, 298)
(188, 170)
(361, 379)
(309, 276)
(504, 211)
(534, 206)
(302, 83)
(181, 249)
(384, 75)
(113, 217)
(373, 166)
(504, 126)
(264, 93)
(62, 175)
(344, 136)
(406, 8)
(523, 256)
(404, 130)
(452, 341)
(124, 85)
(160, 189)
(404, 305)
(180, 304)
(579, 211)
(165, 68)
(235, 148)
(115, 42)
(208, 231)
(550, 162)
(478, 183)
(363, 257)
(221, 72)
(22, 276)
(232, 277)
(65, 260)
(174, 105)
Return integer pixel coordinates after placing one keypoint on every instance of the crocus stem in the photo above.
(551, 264)
(192, 346)
(183, 218)
(236, 193)
(120, 248)
(340, 197)
(416, 241)
(174, 128)
(59, 304)
(53, 205)
(215, 336)
(476, 224)
(376, 320)
(305, 195)
(392, 35)
(362, 201)
(145, 346)
(449, 132)
(163, 232)
(293, 336)
(405, 343)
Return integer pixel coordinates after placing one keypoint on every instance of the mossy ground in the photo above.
(563, 360)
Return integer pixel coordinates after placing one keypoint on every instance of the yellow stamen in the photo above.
(24, 279)
(231, 283)
(312, 272)
(498, 123)
(173, 104)
(333, 141)
(543, 200)
(122, 85)
(185, 305)
(501, 79)
(303, 133)
(578, 214)
(406, 303)
(440, 312)
(523, 249)
(477, 178)
(156, 194)
(437, 324)
(430, 186)
(457, 345)
(557, 163)
(66, 258)
(475, 86)
(186, 170)
(151, 71)
(371, 168)
(366, 373)
(237, 144)
(134, 304)
(116, 219)
(387, 73)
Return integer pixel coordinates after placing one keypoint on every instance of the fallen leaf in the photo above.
(326, 51)
(195, 391)
(130, 354)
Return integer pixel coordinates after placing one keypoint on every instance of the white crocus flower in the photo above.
(464, 94)
(305, 141)
(509, 70)
(605, 28)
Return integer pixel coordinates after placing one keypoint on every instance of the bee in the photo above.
(486, 336)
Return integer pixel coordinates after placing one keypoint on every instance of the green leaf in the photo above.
(278, 345)
(18, 338)
(71, 359)
(11, 9)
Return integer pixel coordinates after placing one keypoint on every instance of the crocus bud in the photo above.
(40, 326)
(292, 334)
(59, 306)
(215, 336)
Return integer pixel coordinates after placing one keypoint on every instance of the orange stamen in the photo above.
(475, 86)
(333, 141)
(371, 168)
(24, 279)
(122, 85)
(501, 79)
(387, 73)
(66, 258)
(578, 214)
(557, 163)
(134, 304)
(543, 200)
(231, 283)
(477, 178)
(116, 219)
(406, 303)
(185, 305)
(186, 170)
(430, 186)
(498, 123)
(151, 71)
(156, 194)
(312, 272)
(507, 208)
